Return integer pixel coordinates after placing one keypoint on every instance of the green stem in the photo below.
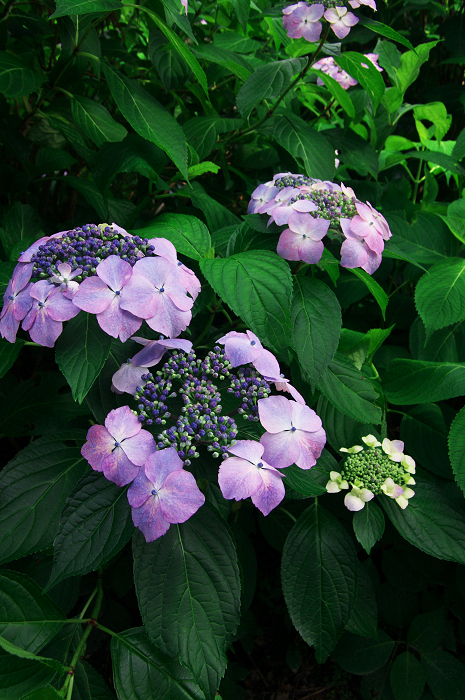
(417, 182)
(289, 514)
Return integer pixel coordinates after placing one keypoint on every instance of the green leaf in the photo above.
(456, 226)
(444, 674)
(95, 525)
(216, 215)
(81, 352)
(46, 693)
(316, 325)
(82, 7)
(341, 430)
(305, 144)
(319, 577)
(188, 588)
(241, 10)
(427, 241)
(411, 62)
(337, 92)
(188, 234)
(19, 224)
(8, 354)
(431, 522)
(349, 391)
(257, 285)
(407, 677)
(360, 655)
(355, 152)
(364, 615)
(33, 490)
(377, 291)
(435, 112)
(201, 132)
(426, 631)
(87, 680)
(147, 116)
(96, 121)
(368, 525)
(233, 62)
(17, 79)
(6, 272)
(267, 82)
(28, 618)
(384, 30)
(311, 482)
(414, 381)
(457, 448)
(139, 668)
(201, 168)
(356, 65)
(132, 155)
(107, 208)
(440, 294)
(20, 676)
(51, 159)
(100, 399)
(442, 159)
(424, 431)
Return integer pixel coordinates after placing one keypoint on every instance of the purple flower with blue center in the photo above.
(103, 295)
(247, 474)
(242, 348)
(302, 240)
(302, 20)
(16, 301)
(165, 249)
(294, 433)
(162, 494)
(120, 448)
(49, 309)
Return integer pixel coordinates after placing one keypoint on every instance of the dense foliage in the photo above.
(232, 362)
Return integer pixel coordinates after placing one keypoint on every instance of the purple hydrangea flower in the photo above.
(129, 375)
(65, 279)
(294, 433)
(341, 20)
(103, 295)
(49, 309)
(16, 301)
(301, 20)
(120, 448)
(242, 348)
(302, 240)
(26, 256)
(158, 295)
(281, 198)
(248, 475)
(261, 196)
(328, 65)
(165, 249)
(356, 3)
(163, 494)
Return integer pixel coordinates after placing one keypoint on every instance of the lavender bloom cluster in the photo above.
(103, 270)
(310, 207)
(185, 396)
(329, 66)
(302, 20)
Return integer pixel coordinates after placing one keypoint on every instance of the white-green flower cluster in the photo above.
(370, 471)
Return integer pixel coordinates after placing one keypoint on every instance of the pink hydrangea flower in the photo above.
(246, 475)
(329, 66)
(103, 295)
(294, 433)
(301, 20)
(165, 249)
(302, 240)
(163, 494)
(356, 4)
(120, 448)
(50, 308)
(129, 375)
(282, 197)
(341, 20)
(16, 301)
(242, 348)
(282, 213)
(158, 295)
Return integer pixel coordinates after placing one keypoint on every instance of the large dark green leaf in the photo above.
(319, 577)
(140, 669)
(147, 116)
(440, 294)
(349, 391)
(311, 482)
(444, 674)
(95, 525)
(364, 616)
(341, 430)
(432, 522)
(132, 155)
(305, 144)
(354, 151)
(107, 208)
(188, 588)
(424, 432)
(28, 618)
(33, 490)
(82, 7)
(188, 234)
(20, 223)
(81, 352)
(96, 121)
(257, 285)
(235, 63)
(413, 381)
(19, 676)
(457, 448)
(17, 79)
(316, 325)
(356, 65)
(427, 241)
(407, 677)
(361, 655)
(267, 82)
(368, 525)
(8, 354)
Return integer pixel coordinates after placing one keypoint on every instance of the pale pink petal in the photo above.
(139, 448)
(118, 468)
(149, 519)
(93, 295)
(180, 497)
(238, 478)
(247, 449)
(267, 364)
(114, 272)
(271, 492)
(122, 423)
(99, 444)
(281, 449)
(304, 417)
(161, 464)
(275, 414)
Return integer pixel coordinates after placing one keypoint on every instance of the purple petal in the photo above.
(310, 251)
(311, 447)
(275, 414)
(115, 272)
(99, 444)
(9, 326)
(121, 423)
(168, 319)
(161, 464)
(353, 253)
(139, 448)
(117, 322)
(59, 308)
(238, 478)
(93, 295)
(271, 492)
(247, 449)
(139, 296)
(118, 468)
(281, 449)
(180, 497)
(128, 378)
(149, 519)
(288, 245)
(267, 364)
(304, 418)
(140, 490)
(43, 330)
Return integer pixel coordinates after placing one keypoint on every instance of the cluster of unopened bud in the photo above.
(331, 204)
(248, 386)
(371, 468)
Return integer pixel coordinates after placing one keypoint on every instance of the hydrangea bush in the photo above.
(233, 404)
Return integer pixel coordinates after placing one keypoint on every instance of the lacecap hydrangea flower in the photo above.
(374, 469)
(329, 66)
(312, 209)
(178, 414)
(103, 270)
(305, 19)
